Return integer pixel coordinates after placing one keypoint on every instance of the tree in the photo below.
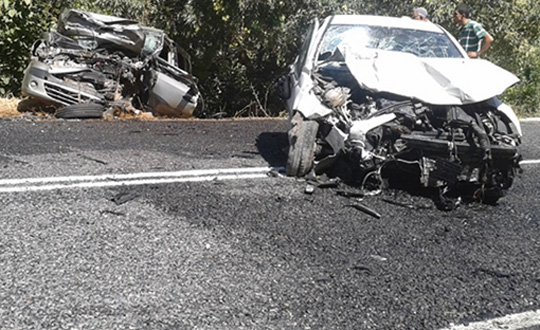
(240, 47)
(21, 23)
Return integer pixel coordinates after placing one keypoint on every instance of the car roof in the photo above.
(388, 21)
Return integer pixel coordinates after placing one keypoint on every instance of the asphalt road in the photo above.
(249, 253)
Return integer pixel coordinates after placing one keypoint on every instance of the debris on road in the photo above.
(406, 205)
(123, 197)
(365, 209)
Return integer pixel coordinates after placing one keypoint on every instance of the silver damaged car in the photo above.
(96, 63)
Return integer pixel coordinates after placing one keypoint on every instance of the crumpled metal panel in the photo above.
(111, 60)
(434, 81)
(121, 32)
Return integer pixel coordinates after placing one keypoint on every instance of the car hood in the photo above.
(437, 81)
(114, 31)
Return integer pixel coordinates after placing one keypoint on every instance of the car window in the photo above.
(419, 43)
(153, 41)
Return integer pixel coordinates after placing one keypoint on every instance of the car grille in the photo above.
(66, 96)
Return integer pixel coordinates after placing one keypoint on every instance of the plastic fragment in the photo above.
(366, 210)
(309, 189)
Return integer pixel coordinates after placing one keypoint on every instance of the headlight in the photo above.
(336, 97)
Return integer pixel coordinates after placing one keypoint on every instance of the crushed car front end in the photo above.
(388, 96)
(113, 62)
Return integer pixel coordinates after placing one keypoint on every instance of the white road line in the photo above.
(52, 183)
(529, 162)
(509, 322)
(110, 180)
(129, 176)
(533, 119)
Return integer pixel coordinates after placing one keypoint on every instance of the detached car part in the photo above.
(398, 99)
(112, 62)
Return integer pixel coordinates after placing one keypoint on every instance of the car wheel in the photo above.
(81, 111)
(302, 146)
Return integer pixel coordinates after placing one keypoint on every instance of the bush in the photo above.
(525, 97)
(21, 23)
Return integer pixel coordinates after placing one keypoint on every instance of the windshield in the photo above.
(419, 43)
(153, 41)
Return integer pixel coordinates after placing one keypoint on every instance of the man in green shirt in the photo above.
(472, 36)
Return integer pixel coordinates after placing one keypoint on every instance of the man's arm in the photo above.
(486, 43)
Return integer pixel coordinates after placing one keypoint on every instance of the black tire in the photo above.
(81, 111)
(302, 146)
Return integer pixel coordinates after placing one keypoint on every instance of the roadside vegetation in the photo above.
(239, 48)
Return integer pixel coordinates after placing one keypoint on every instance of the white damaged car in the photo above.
(399, 98)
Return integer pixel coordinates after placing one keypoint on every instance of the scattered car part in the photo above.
(365, 209)
(101, 59)
(351, 194)
(124, 197)
(309, 189)
(406, 205)
(394, 98)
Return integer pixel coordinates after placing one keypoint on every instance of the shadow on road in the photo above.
(273, 148)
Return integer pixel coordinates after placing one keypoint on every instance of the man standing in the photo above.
(472, 36)
(420, 14)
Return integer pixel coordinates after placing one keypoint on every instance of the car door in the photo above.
(302, 65)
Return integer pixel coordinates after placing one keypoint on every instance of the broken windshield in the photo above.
(153, 41)
(419, 43)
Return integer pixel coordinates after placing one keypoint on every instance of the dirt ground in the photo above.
(8, 107)
(13, 107)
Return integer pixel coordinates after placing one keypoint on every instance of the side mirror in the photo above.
(283, 87)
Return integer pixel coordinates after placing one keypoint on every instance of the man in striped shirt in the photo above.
(472, 36)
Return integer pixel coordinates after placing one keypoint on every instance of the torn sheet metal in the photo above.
(119, 31)
(111, 61)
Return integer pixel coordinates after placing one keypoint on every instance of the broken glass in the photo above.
(419, 43)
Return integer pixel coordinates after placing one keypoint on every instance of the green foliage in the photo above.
(239, 55)
(21, 22)
(240, 47)
(525, 97)
(517, 48)
(138, 10)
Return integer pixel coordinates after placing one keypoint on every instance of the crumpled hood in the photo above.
(107, 30)
(448, 81)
